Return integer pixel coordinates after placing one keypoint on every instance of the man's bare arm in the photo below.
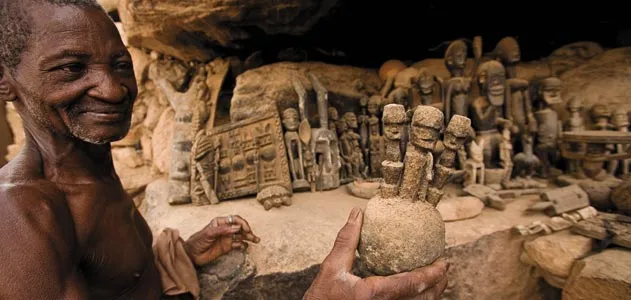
(39, 258)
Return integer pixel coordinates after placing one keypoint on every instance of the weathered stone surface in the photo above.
(190, 31)
(556, 253)
(572, 55)
(257, 90)
(127, 157)
(526, 70)
(602, 276)
(224, 274)
(483, 252)
(109, 5)
(459, 208)
(162, 140)
(603, 79)
(391, 241)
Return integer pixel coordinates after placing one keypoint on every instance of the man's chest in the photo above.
(114, 241)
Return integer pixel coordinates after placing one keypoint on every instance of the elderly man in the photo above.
(67, 228)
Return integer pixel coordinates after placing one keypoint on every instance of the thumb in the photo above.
(343, 253)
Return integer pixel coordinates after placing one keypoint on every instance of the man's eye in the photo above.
(73, 68)
(123, 66)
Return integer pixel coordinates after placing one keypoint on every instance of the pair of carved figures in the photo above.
(418, 177)
(314, 153)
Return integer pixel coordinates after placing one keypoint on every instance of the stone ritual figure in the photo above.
(620, 121)
(205, 166)
(454, 138)
(575, 123)
(487, 110)
(427, 122)
(410, 218)
(518, 107)
(351, 150)
(394, 119)
(294, 149)
(184, 105)
(377, 146)
(456, 100)
(549, 127)
(474, 165)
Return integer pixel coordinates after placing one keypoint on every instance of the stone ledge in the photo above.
(484, 251)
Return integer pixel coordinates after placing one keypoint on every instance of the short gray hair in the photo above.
(15, 26)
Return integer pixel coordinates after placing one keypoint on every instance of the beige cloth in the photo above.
(177, 271)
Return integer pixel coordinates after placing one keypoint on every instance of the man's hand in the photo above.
(221, 236)
(335, 280)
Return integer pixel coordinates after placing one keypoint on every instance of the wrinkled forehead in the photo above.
(56, 29)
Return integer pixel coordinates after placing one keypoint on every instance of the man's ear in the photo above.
(7, 92)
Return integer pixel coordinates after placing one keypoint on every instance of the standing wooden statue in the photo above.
(294, 149)
(456, 100)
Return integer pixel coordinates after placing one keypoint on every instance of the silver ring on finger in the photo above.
(230, 220)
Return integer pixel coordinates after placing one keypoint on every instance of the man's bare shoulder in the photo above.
(31, 203)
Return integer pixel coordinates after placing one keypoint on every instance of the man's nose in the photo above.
(108, 88)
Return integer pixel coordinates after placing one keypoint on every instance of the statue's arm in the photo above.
(38, 250)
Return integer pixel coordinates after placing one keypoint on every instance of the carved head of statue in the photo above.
(290, 119)
(394, 119)
(427, 122)
(456, 55)
(491, 79)
(426, 82)
(373, 104)
(400, 96)
(507, 50)
(600, 112)
(457, 132)
(333, 115)
(550, 90)
(351, 120)
(574, 105)
(620, 118)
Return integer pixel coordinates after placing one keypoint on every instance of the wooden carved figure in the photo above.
(294, 149)
(549, 127)
(474, 165)
(620, 121)
(486, 110)
(518, 107)
(600, 114)
(377, 146)
(456, 99)
(575, 123)
(351, 149)
(204, 172)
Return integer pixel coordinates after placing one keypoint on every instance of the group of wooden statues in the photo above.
(512, 131)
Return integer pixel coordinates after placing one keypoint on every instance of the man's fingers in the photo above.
(411, 284)
(212, 233)
(245, 226)
(343, 252)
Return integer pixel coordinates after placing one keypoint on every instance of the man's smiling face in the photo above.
(75, 76)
